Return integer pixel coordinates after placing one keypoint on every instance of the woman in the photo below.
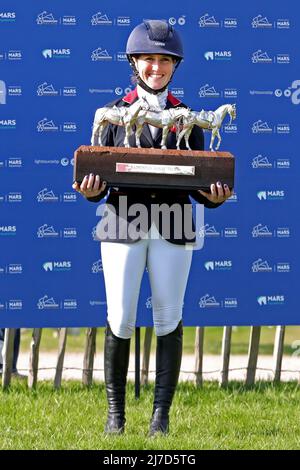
(154, 50)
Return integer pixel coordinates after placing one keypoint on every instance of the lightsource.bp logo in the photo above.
(292, 92)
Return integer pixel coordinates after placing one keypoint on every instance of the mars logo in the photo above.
(57, 266)
(218, 55)
(69, 197)
(70, 304)
(15, 269)
(14, 55)
(14, 91)
(15, 304)
(47, 53)
(121, 57)
(8, 124)
(283, 59)
(56, 53)
(70, 232)
(8, 16)
(207, 91)
(283, 267)
(270, 195)
(48, 266)
(8, 230)
(230, 128)
(207, 21)
(218, 265)
(69, 91)
(265, 300)
(283, 232)
(262, 22)
(178, 92)
(283, 128)
(123, 21)
(69, 127)
(68, 20)
(14, 197)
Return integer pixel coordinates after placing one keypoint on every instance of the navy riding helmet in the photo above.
(153, 37)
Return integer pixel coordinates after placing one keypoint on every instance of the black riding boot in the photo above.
(116, 359)
(168, 361)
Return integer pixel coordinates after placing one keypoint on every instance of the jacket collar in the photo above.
(132, 96)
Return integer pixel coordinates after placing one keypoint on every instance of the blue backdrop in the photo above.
(59, 61)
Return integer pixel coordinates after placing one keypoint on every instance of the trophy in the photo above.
(157, 168)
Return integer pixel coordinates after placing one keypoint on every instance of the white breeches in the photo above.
(123, 267)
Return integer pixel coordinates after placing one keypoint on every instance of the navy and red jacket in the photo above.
(113, 136)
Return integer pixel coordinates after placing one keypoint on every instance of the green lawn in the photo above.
(213, 340)
(263, 417)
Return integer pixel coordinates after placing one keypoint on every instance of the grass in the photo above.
(263, 417)
(212, 343)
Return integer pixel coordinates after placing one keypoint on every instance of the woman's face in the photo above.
(155, 69)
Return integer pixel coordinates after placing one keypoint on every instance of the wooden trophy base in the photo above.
(154, 168)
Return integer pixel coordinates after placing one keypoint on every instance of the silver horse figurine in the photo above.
(164, 119)
(123, 116)
(210, 120)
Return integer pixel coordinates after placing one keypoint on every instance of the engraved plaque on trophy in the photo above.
(155, 168)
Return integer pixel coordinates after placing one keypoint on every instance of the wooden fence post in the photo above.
(146, 355)
(278, 352)
(253, 354)
(89, 355)
(226, 345)
(8, 354)
(61, 355)
(34, 357)
(199, 344)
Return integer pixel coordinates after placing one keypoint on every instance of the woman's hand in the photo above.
(91, 186)
(218, 194)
